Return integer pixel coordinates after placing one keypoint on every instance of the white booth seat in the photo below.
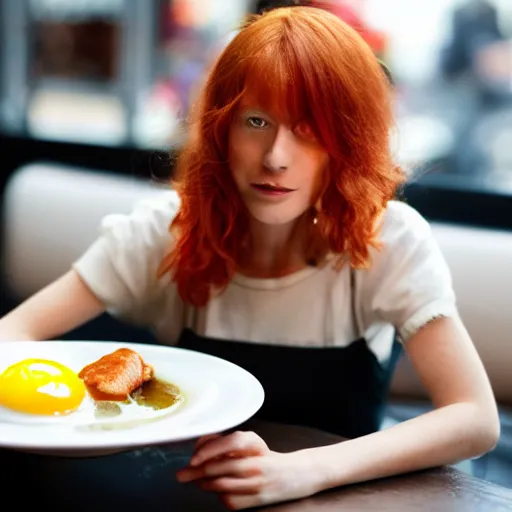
(481, 264)
(51, 214)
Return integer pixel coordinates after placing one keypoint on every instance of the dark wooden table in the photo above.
(143, 480)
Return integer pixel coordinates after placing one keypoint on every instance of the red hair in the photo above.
(315, 68)
(348, 13)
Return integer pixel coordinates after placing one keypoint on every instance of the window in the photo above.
(112, 72)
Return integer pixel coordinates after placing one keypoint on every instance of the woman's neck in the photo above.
(275, 250)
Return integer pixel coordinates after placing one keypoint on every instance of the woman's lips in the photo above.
(271, 190)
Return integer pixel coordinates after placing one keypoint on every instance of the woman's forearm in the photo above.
(444, 436)
(56, 309)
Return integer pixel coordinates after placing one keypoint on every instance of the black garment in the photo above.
(266, 5)
(339, 390)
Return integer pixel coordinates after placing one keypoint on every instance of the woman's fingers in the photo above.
(238, 444)
(239, 501)
(232, 485)
(205, 439)
(241, 467)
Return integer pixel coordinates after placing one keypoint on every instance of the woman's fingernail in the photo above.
(194, 461)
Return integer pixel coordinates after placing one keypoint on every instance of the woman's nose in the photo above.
(277, 159)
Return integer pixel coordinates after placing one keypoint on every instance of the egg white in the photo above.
(86, 416)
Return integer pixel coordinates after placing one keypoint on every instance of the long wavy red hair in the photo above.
(310, 64)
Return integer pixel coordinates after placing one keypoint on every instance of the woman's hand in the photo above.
(246, 473)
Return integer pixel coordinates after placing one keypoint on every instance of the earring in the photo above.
(316, 211)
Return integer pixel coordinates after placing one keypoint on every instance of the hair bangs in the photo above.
(285, 70)
(276, 85)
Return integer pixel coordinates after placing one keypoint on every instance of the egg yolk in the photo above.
(39, 386)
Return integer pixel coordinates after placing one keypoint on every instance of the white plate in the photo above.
(218, 396)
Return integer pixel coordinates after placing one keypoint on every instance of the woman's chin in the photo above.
(274, 218)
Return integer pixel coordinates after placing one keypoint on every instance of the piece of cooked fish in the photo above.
(116, 375)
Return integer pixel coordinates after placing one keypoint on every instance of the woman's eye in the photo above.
(256, 122)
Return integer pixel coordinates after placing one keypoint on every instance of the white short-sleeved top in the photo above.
(407, 285)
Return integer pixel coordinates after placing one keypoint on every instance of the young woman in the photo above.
(283, 249)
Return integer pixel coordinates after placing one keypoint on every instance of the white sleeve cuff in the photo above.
(437, 309)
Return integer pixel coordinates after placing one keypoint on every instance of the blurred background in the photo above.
(104, 87)
(107, 83)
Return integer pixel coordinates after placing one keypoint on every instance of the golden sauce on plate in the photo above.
(155, 394)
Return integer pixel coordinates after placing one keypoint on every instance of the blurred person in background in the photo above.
(476, 59)
(474, 34)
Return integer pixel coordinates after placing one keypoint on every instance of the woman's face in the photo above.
(278, 172)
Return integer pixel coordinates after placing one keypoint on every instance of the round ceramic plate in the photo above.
(217, 396)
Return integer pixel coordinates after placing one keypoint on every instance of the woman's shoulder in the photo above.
(406, 242)
(408, 281)
(402, 226)
(162, 205)
(151, 213)
(401, 222)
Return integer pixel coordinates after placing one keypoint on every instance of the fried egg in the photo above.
(41, 387)
(41, 391)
